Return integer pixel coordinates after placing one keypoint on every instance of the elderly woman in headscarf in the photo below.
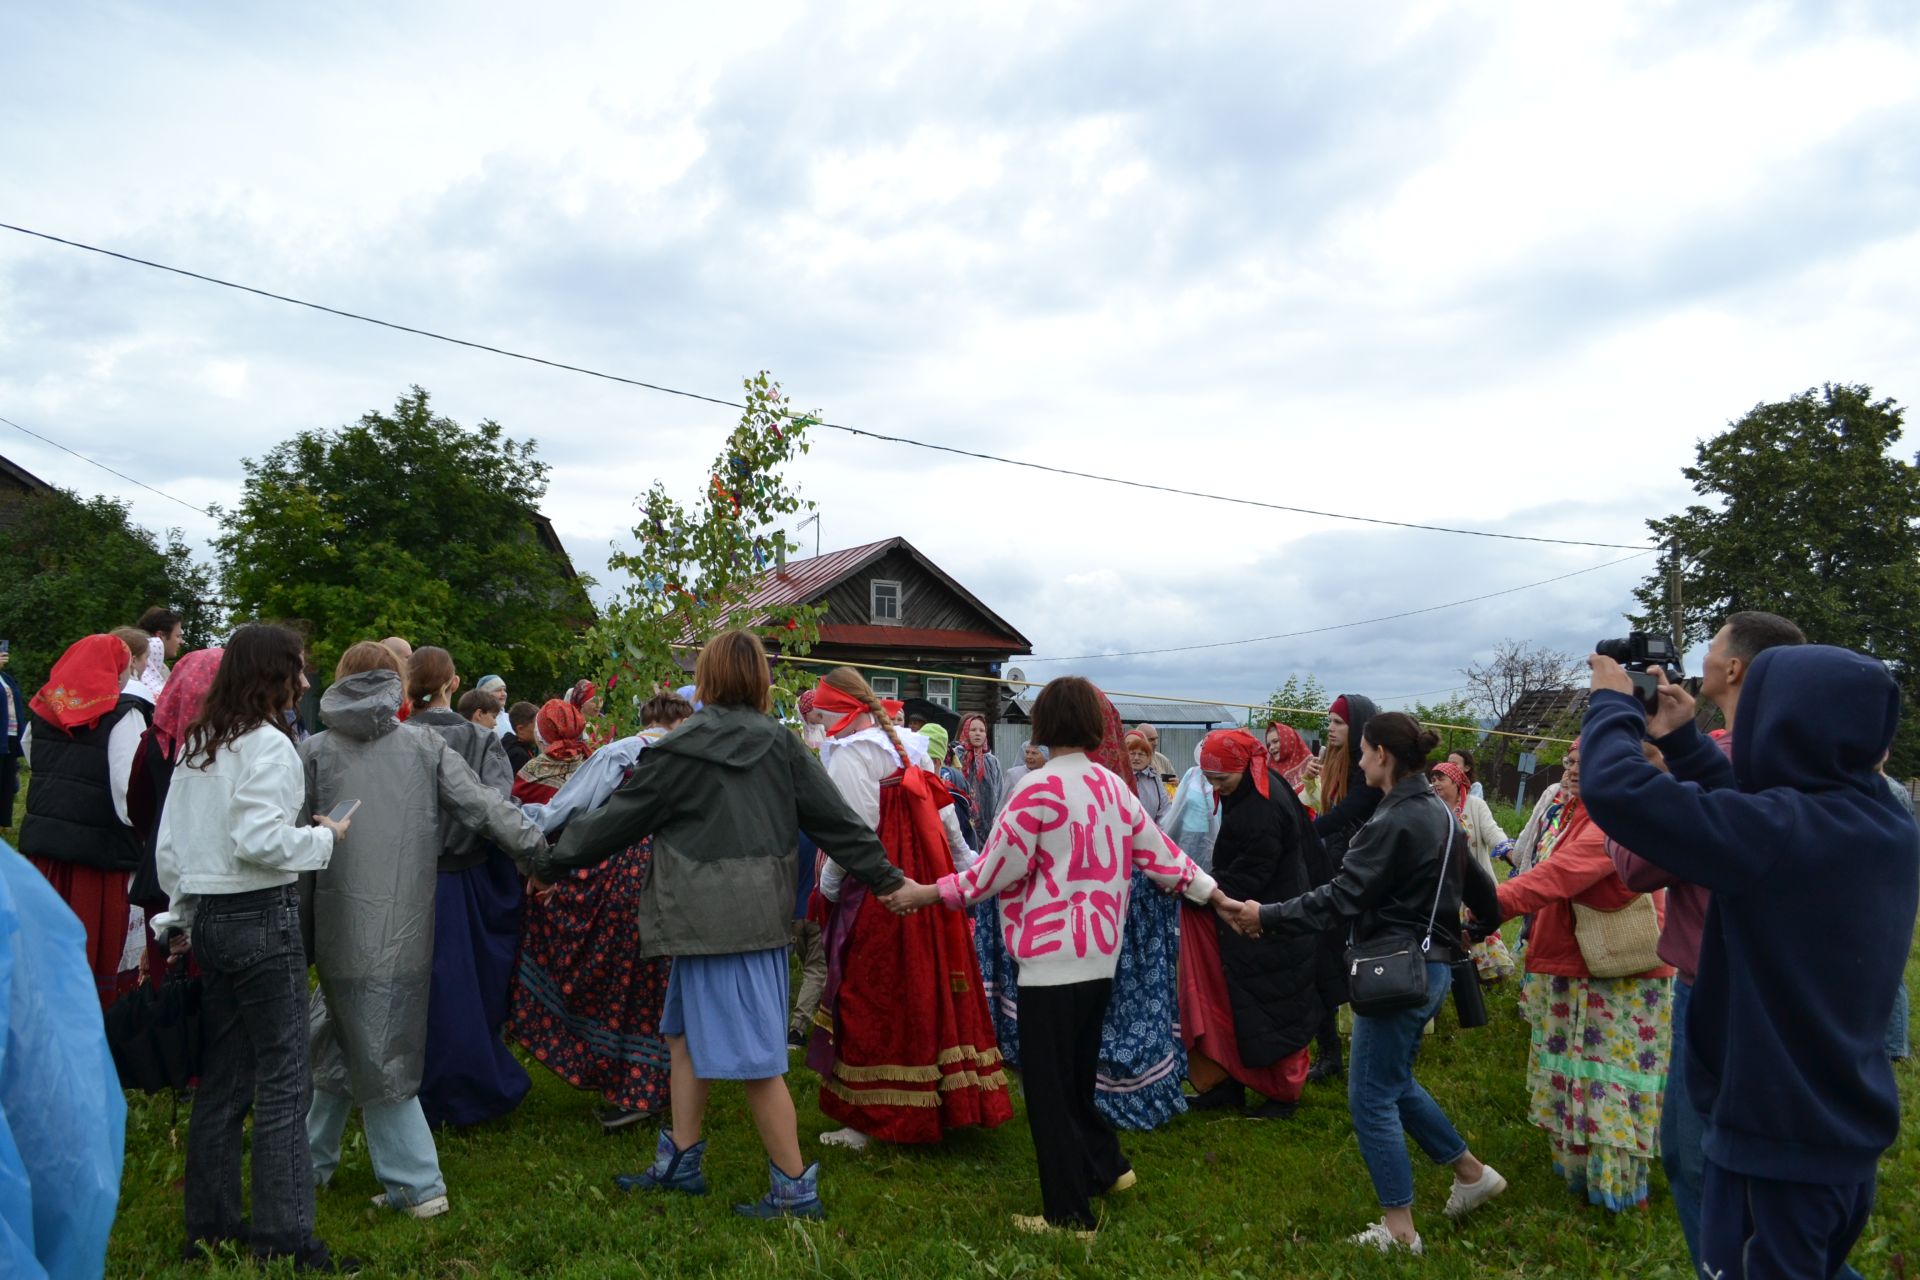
(973, 756)
(563, 749)
(1288, 755)
(1597, 1067)
(1483, 835)
(1249, 1006)
(1031, 758)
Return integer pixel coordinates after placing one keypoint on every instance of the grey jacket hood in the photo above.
(364, 706)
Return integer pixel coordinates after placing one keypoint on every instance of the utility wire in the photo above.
(104, 467)
(1341, 626)
(833, 426)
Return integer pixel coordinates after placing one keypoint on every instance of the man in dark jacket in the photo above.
(1786, 1032)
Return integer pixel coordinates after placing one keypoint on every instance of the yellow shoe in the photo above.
(1125, 1182)
(1034, 1224)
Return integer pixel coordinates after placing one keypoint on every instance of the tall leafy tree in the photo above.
(1810, 514)
(406, 523)
(695, 566)
(1301, 702)
(73, 566)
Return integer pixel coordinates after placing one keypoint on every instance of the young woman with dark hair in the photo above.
(1063, 915)
(1403, 879)
(232, 843)
(1340, 794)
(722, 798)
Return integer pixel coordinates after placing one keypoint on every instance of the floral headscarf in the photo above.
(1291, 762)
(1458, 776)
(85, 684)
(562, 730)
(180, 701)
(1112, 751)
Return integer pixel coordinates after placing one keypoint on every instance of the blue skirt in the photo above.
(1142, 1059)
(733, 1011)
(470, 1075)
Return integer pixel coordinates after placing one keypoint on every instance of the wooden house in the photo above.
(889, 606)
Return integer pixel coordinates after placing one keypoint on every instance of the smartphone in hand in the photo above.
(342, 811)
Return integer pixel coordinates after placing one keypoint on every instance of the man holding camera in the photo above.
(1815, 875)
(1744, 637)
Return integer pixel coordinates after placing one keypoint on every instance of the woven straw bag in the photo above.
(1619, 944)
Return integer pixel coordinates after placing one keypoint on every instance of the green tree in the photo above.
(1810, 515)
(1459, 729)
(404, 523)
(694, 569)
(1294, 703)
(72, 566)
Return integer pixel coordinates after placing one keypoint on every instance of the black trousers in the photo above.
(1761, 1229)
(1079, 1153)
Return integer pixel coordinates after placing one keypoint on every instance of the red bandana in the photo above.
(834, 701)
(1231, 751)
(562, 729)
(85, 684)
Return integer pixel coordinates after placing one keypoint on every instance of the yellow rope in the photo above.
(1141, 697)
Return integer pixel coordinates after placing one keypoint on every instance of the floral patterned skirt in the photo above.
(586, 1003)
(1597, 1072)
(1493, 960)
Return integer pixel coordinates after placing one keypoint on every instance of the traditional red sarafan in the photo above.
(904, 1043)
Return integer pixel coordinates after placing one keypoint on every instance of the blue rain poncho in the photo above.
(63, 1121)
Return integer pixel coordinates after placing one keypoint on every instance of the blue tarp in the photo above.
(63, 1121)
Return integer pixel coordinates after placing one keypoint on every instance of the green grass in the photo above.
(533, 1195)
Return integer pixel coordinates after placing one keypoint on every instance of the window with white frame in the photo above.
(940, 691)
(885, 686)
(886, 601)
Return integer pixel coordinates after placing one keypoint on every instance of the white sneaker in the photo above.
(425, 1209)
(851, 1139)
(1378, 1237)
(1468, 1196)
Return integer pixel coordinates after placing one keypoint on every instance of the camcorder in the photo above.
(1638, 652)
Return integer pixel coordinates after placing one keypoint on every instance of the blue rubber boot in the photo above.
(789, 1198)
(672, 1169)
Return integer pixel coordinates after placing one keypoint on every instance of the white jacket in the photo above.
(236, 825)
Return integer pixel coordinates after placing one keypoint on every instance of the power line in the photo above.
(104, 467)
(833, 426)
(1341, 626)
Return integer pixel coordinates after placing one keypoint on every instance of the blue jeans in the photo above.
(1683, 1131)
(398, 1141)
(253, 1017)
(1388, 1104)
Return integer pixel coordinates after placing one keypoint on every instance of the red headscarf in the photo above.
(581, 694)
(1112, 751)
(85, 684)
(1460, 784)
(973, 764)
(1291, 763)
(1234, 750)
(562, 729)
(180, 701)
(837, 702)
(806, 702)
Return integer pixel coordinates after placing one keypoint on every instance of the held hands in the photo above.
(1242, 917)
(910, 897)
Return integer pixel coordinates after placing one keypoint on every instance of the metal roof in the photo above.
(803, 581)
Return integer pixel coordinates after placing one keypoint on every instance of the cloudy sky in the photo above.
(1480, 264)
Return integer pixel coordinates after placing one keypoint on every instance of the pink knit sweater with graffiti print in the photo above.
(1061, 859)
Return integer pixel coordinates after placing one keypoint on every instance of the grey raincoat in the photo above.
(372, 908)
(460, 847)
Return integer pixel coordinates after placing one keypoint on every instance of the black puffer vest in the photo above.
(70, 816)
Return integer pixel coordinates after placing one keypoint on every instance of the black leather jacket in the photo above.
(1387, 884)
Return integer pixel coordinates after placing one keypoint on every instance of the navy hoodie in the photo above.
(1815, 875)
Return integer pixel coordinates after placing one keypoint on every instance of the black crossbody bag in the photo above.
(1388, 975)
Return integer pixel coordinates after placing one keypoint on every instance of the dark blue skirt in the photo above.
(471, 1076)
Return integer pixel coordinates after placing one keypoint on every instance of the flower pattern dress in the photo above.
(586, 1004)
(1596, 1076)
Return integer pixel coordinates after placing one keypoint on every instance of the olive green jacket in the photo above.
(724, 797)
